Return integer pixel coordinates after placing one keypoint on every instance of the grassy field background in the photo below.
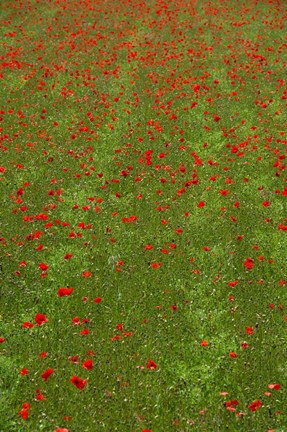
(143, 216)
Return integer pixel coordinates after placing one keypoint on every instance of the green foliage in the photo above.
(168, 222)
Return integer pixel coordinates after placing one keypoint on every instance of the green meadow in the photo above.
(143, 217)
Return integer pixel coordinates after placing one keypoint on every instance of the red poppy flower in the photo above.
(274, 386)
(45, 375)
(156, 265)
(255, 405)
(76, 321)
(204, 343)
(224, 192)
(164, 251)
(40, 319)
(231, 403)
(24, 371)
(249, 330)
(249, 263)
(88, 364)
(43, 266)
(74, 359)
(151, 365)
(39, 395)
(148, 247)
(24, 413)
(179, 231)
(97, 300)
(233, 355)
(65, 292)
(78, 382)
(27, 324)
(68, 256)
(61, 430)
(244, 345)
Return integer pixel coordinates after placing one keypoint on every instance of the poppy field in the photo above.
(143, 217)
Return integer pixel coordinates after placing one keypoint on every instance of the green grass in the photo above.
(87, 91)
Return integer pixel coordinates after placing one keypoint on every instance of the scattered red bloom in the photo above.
(244, 345)
(45, 375)
(249, 330)
(61, 430)
(62, 292)
(98, 300)
(156, 265)
(88, 364)
(151, 365)
(231, 403)
(274, 386)
(204, 343)
(78, 382)
(201, 204)
(129, 219)
(24, 412)
(249, 263)
(39, 395)
(27, 324)
(255, 405)
(68, 256)
(224, 192)
(74, 359)
(40, 319)
(76, 321)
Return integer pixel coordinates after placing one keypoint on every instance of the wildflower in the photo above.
(151, 365)
(40, 319)
(255, 405)
(45, 375)
(62, 292)
(78, 382)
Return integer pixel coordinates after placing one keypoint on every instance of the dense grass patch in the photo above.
(143, 218)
